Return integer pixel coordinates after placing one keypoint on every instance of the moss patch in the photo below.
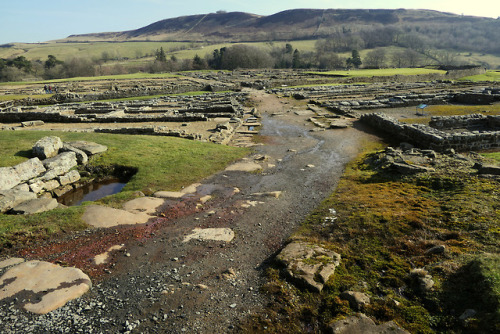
(383, 228)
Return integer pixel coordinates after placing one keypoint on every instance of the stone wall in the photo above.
(49, 174)
(470, 122)
(424, 136)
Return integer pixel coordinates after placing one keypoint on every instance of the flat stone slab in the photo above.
(169, 194)
(215, 234)
(49, 283)
(103, 216)
(90, 148)
(244, 167)
(143, 204)
(11, 198)
(103, 257)
(275, 194)
(191, 189)
(35, 205)
(10, 262)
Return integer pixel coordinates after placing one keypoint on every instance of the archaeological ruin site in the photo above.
(355, 205)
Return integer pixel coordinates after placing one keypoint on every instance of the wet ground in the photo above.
(158, 283)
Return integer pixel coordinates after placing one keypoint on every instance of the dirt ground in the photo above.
(160, 284)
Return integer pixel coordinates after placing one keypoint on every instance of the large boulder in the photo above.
(90, 148)
(50, 286)
(8, 178)
(47, 147)
(309, 264)
(11, 198)
(29, 169)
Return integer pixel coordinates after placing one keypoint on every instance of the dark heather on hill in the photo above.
(376, 27)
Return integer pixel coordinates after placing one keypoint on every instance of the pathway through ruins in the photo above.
(167, 283)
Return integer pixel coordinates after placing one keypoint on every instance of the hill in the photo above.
(373, 27)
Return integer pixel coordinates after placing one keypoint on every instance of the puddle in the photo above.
(92, 192)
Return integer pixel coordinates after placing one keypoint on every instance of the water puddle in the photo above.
(92, 192)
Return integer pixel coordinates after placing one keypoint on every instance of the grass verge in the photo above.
(385, 225)
(163, 163)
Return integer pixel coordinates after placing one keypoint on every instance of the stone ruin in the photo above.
(437, 138)
(30, 187)
(103, 117)
(340, 99)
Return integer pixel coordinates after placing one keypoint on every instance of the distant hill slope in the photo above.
(431, 27)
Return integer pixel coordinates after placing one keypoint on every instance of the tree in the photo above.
(198, 63)
(375, 58)
(245, 56)
(52, 62)
(354, 60)
(21, 63)
(160, 55)
(406, 58)
(296, 63)
(330, 61)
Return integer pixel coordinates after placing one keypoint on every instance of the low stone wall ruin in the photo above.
(475, 121)
(424, 136)
(49, 174)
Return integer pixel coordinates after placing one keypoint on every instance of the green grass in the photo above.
(163, 163)
(494, 156)
(66, 51)
(139, 75)
(381, 72)
(488, 76)
(385, 223)
(23, 96)
(453, 110)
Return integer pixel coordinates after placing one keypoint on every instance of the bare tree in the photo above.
(375, 58)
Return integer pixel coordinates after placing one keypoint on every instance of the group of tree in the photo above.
(326, 56)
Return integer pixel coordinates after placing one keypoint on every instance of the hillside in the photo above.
(432, 28)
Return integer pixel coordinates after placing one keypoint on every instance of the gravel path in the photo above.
(162, 284)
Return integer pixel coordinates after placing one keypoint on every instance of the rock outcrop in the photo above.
(309, 264)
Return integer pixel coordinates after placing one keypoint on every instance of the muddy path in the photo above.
(159, 283)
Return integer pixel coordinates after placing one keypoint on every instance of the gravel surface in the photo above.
(162, 284)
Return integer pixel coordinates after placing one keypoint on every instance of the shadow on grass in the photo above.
(475, 287)
(28, 154)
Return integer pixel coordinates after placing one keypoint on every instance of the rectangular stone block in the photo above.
(51, 185)
(70, 177)
(8, 178)
(29, 169)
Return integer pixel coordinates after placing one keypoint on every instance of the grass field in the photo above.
(140, 75)
(381, 72)
(453, 110)
(66, 51)
(163, 163)
(488, 76)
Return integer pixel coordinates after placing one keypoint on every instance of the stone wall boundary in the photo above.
(424, 136)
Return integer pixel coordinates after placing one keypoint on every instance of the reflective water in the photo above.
(91, 192)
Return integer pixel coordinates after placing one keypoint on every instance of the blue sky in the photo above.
(44, 20)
